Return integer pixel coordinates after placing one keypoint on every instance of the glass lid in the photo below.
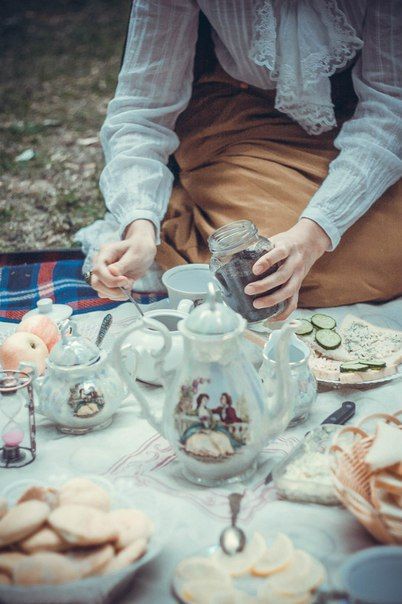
(213, 317)
(73, 349)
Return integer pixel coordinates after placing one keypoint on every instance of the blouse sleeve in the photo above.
(154, 87)
(370, 144)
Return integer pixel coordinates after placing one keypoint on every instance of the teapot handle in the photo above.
(119, 351)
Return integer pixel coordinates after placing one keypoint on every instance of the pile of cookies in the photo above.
(54, 536)
(275, 573)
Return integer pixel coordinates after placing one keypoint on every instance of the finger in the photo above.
(124, 267)
(281, 276)
(283, 293)
(108, 255)
(268, 260)
(106, 292)
(290, 307)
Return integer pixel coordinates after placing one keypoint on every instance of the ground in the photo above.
(59, 64)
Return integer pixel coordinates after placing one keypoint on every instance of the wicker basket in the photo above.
(356, 484)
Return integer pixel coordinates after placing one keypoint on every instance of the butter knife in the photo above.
(104, 328)
(340, 416)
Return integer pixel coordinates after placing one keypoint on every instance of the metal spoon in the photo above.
(233, 539)
(132, 299)
(103, 329)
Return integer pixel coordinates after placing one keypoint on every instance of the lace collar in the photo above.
(302, 43)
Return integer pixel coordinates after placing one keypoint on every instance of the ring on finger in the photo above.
(87, 277)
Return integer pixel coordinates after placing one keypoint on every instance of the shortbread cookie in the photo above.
(126, 556)
(46, 539)
(91, 561)
(131, 525)
(46, 494)
(5, 579)
(22, 520)
(8, 560)
(81, 525)
(45, 568)
(3, 507)
(81, 491)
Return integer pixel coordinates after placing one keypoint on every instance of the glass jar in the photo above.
(235, 249)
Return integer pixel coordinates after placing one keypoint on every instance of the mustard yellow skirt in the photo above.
(239, 158)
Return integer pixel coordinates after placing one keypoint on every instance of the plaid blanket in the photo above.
(21, 287)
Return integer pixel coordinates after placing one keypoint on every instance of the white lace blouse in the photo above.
(291, 45)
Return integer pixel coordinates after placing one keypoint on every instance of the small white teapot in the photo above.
(80, 391)
(147, 341)
(215, 414)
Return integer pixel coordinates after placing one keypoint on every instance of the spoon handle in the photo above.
(132, 299)
(104, 328)
(234, 502)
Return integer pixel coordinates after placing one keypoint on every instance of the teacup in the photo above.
(371, 576)
(187, 282)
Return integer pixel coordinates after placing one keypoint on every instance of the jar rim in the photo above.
(232, 235)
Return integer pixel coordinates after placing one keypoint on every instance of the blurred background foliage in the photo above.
(59, 65)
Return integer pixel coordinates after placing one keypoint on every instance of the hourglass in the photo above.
(16, 394)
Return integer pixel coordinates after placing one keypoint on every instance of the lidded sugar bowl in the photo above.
(80, 390)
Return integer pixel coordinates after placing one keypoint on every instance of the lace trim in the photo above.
(263, 49)
(303, 89)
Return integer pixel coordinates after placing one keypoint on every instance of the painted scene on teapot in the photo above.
(212, 423)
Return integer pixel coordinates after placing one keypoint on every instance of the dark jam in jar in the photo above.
(236, 247)
(235, 275)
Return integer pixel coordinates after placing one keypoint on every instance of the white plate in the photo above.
(362, 385)
(94, 589)
(316, 542)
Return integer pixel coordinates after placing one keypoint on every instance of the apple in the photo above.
(26, 347)
(43, 327)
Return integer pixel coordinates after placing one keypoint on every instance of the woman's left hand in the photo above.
(297, 250)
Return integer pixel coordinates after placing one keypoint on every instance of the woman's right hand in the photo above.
(121, 263)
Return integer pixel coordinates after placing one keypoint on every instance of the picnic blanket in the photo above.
(21, 286)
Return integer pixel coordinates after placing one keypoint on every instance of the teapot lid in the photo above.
(73, 349)
(213, 317)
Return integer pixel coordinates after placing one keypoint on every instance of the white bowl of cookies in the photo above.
(74, 542)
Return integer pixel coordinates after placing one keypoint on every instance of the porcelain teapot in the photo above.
(80, 391)
(215, 413)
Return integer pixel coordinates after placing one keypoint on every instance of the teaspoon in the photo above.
(233, 539)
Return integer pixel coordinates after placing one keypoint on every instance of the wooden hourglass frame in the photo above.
(13, 454)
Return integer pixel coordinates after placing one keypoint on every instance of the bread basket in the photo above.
(357, 485)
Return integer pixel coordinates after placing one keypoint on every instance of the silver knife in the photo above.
(340, 416)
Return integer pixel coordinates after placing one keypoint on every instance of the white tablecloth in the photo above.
(131, 452)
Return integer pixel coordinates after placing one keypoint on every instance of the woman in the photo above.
(204, 414)
(269, 134)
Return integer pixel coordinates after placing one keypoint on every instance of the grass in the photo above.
(59, 65)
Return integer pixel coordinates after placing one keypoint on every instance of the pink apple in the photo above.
(43, 327)
(26, 347)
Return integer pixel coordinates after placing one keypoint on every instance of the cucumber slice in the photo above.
(304, 328)
(323, 321)
(353, 366)
(374, 363)
(327, 338)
